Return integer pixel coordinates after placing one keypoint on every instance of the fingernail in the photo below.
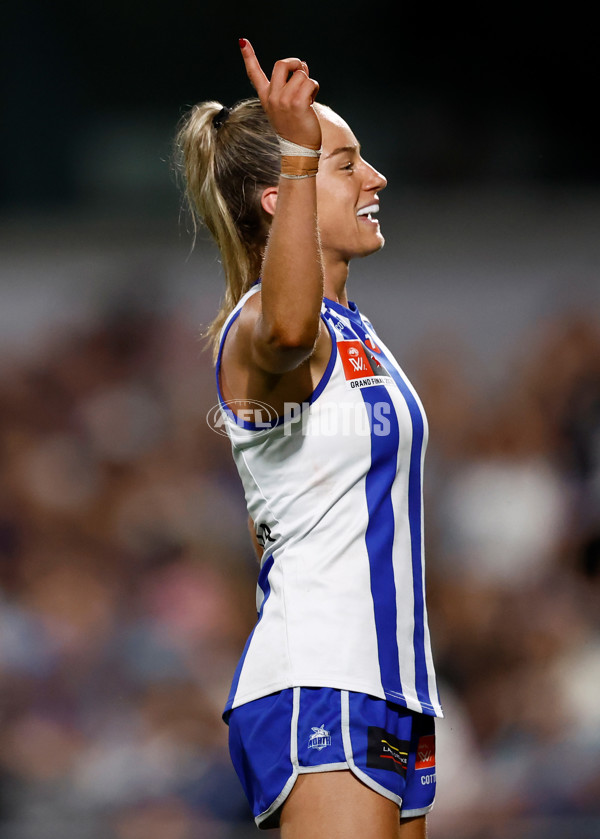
(243, 43)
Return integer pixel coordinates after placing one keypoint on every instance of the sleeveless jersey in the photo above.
(334, 488)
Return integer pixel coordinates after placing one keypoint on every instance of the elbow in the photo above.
(296, 338)
(282, 346)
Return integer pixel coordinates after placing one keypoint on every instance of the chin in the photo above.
(376, 246)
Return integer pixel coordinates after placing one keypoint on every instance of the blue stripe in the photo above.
(379, 537)
(330, 364)
(263, 582)
(414, 518)
(414, 497)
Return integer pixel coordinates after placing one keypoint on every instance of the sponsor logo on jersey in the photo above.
(425, 752)
(320, 738)
(361, 367)
(385, 751)
(263, 534)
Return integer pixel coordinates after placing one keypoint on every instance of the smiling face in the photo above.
(347, 195)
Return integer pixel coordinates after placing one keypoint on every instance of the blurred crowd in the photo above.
(127, 585)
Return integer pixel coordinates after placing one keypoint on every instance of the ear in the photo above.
(268, 200)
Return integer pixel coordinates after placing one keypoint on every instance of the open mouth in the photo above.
(366, 213)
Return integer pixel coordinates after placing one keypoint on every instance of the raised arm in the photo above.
(283, 327)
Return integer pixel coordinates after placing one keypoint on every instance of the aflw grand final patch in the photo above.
(361, 365)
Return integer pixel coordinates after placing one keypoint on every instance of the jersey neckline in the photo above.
(349, 311)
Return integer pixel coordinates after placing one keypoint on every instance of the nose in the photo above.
(374, 180)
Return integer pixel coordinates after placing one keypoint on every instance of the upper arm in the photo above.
(250, 369)
(260, 348)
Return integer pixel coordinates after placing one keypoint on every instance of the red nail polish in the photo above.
(243, 43)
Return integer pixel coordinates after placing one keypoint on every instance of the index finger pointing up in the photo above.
(255, 72)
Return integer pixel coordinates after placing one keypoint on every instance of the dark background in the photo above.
(127, 578)
(438, 95)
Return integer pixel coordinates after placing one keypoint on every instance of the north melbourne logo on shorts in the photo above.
(320, 738)
(384, 751)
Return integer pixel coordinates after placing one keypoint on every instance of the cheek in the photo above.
(335, 226)
(332, 187)
(335, 207)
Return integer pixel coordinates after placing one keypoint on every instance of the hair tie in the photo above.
(221, 117)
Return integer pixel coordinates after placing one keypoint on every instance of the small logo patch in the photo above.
(384, 751)
(263, 534)
(354, 359)
(320, 738)
(361, 367)
(425, 752)
(372, 345)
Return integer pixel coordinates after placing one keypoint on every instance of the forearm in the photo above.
(286, 330)
(292, 275)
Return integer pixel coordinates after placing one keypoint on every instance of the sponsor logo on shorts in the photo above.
(384, 751)
(320, 738)
(425, 752)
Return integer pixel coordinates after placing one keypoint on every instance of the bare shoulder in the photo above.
(251, 370)
(237, 348)
(249, 316)
(255, 344)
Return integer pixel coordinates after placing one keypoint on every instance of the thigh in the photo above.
(413, 828)
(336, 805)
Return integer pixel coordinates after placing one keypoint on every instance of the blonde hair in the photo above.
(226, 164)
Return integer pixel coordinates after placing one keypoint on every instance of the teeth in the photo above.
(366, 211)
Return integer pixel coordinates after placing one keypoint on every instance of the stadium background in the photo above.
(127, 578)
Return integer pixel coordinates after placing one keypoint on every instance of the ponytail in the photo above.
(227, 159)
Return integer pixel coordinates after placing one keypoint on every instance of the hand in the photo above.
(287, 97)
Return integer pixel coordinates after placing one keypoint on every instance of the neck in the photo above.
(336, 276)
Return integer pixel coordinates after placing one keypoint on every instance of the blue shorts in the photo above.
(274, 739)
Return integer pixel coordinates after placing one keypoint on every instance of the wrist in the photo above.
(298, 161)
(296, 166)
(291, 149)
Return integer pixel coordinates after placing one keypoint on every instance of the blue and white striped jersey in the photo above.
(335, 490)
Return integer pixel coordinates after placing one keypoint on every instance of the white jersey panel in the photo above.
(335, 492)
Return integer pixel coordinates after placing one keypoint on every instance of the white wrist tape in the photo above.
(298, 177)
(290, 149)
